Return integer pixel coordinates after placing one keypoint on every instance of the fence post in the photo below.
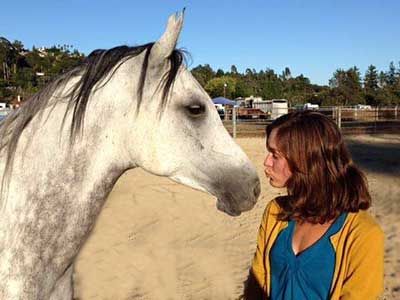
(339, 116)
(226, 116)
(334, 113)
(234, 121)
(395, 112)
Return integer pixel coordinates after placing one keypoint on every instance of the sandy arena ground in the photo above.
(156, 239)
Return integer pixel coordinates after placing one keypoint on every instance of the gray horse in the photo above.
(62, 152)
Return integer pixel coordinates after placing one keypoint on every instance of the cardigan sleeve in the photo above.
(258, 267)
(364, 275)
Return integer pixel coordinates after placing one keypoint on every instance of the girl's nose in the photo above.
(268, 160)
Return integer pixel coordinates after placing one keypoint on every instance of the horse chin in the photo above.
(226, 209)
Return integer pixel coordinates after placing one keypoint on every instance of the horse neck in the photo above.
(55, 192)
(46, 163)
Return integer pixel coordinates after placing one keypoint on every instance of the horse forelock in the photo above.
(96, 67)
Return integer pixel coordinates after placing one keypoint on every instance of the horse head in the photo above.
(178, 133)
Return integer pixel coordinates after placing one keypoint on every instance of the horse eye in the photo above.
(196, 110)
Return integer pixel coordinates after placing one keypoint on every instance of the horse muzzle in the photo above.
(234, 202)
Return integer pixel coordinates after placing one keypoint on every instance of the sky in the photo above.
(311, 37)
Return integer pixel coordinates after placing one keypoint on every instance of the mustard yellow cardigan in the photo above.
(359, 251)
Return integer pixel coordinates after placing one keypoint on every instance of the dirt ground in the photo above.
(156, 239)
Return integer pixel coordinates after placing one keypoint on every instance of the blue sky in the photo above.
(311, 37)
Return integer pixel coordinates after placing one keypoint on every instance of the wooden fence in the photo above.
(349, 119)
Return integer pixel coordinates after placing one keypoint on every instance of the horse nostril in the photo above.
(257, 190)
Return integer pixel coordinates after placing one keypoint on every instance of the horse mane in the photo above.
(96, 67)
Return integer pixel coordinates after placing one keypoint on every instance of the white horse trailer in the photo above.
(274, 108)
(279, 108)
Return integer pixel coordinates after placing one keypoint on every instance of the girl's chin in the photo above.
(275, 184)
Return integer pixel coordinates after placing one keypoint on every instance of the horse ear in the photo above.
(167, 43)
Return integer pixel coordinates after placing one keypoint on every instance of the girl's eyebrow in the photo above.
(270, 149)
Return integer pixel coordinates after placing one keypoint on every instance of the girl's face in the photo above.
(276, 166)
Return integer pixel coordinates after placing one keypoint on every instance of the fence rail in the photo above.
(350, 120)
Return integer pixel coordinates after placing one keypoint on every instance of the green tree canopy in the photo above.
(203, 74)
(222, 86)
(346, 86)
(371, 80)
(23, 72)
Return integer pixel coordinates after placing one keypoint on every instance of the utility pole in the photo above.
(225, 85)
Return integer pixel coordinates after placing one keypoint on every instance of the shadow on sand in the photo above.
(378, 156)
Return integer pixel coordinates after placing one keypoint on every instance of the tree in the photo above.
(286, 74)
(371, 81)
(19, 47)
(269, 86)
(243, 89)
(19, 67)
(371, 86)
(215, 87)
(8, 57)
(203, 74)
(382, 79)
(299, 90)
(390, 92)
(234, 70)
(346, 86)
(220, 73)
(248, 72)
(391, 75)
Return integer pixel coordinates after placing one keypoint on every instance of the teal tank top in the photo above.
(307, 276)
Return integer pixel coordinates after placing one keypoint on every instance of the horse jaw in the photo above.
(234, 195)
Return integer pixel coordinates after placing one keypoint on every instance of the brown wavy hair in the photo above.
(324, 182)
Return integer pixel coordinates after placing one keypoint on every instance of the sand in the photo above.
(156, 239)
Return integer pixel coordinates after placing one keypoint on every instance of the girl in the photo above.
(319, 241)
